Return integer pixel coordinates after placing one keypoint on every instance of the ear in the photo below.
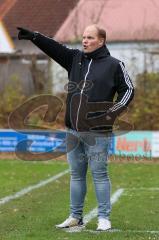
(101, 43)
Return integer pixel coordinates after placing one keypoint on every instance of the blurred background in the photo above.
(132, 36)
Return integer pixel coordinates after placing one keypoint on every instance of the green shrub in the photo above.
(11, 96)
(144, 110)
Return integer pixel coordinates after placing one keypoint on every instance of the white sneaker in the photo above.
(103, 224)
(71, 222)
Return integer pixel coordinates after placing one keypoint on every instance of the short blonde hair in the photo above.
(101, 32)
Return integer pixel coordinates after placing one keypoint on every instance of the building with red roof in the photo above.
(131, 26)
(43, 16)
(132, 30)
(124, 20)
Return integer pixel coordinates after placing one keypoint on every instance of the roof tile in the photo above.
(124, 20)
(43, 16)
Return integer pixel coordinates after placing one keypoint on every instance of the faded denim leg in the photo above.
(98, 161)
(78, 169)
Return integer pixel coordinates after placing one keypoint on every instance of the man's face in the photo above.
(91, 41)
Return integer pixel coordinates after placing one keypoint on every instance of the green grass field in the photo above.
(33, 216)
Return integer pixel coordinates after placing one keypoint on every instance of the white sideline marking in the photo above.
(143, 188)
(129, 191)
(92, 214)
(77, 229)
(32, 187)
(119, 230)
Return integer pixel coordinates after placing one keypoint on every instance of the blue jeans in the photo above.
(93, 150)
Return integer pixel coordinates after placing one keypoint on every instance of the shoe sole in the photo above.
(80, 226)
(74, 229)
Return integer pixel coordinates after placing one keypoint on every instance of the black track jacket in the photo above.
(94, 78)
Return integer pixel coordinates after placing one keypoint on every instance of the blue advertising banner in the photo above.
(136, 143)
(41, 141)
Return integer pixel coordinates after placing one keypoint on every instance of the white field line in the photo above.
(122, 231)
(93, 213)
(32, 187)
(131, 191)
(114, 199)
(143, 188)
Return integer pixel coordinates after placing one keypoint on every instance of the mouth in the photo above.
(85, 47)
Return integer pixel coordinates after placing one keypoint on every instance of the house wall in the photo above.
(14, 70)
(138, 57)
(18, 69)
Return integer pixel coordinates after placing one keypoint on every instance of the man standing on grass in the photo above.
(98, 77)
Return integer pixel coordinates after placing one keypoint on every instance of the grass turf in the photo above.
(34, 215)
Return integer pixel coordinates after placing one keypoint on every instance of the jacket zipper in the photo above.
(85, 78)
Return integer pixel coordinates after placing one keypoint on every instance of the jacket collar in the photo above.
(98, 53)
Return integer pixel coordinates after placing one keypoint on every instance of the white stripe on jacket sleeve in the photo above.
(128, 92)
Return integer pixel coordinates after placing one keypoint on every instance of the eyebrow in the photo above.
(88, 36)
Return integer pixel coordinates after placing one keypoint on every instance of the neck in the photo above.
(98, 53)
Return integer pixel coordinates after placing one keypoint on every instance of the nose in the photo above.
(84, 41)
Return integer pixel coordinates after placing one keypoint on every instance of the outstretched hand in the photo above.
(25, 34)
